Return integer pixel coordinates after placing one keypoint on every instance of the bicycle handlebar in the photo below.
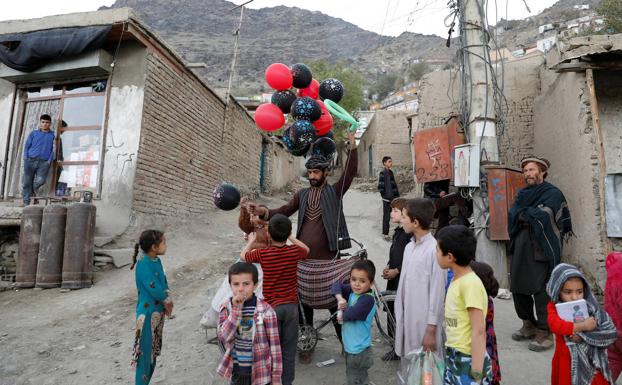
(359, 244)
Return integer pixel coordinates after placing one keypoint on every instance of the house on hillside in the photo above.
(134, 125)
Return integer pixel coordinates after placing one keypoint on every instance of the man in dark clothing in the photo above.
(321, 223)
(38, 156)
(538, 223)
(388, 191)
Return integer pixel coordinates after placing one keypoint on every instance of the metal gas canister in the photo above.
(28, 252)
(50, 262)
(79, 244)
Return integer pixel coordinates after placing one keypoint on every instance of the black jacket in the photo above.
(389, 191)
(396, 255)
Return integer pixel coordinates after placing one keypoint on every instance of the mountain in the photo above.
(202, 31)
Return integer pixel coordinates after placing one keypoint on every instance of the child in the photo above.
(248, 328)
(357, 303)
(581, 357)
(487, 276)
(280, 283)
(466, 307)
(613, 307)
(392, 272)
(421, 291)
(153, 303)
(387, 187)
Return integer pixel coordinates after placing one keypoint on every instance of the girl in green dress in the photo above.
(153, 304)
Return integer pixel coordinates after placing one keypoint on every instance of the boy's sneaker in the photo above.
(527, 332)
(542, 342)
(390, 356)
(387, 238)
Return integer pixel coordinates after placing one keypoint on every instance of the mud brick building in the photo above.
(134, 125)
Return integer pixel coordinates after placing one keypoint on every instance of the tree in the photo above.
(417, 71)
(353, 85)
(611, 10)
(386, 83)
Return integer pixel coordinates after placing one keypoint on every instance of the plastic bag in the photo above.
(210, 317)
(426, 369)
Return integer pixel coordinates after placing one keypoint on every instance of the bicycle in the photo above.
(308, 335)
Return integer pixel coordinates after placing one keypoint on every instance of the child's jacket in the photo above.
(267, 359)
(357, 318)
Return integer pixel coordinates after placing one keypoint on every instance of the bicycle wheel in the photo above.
(381, 303)
(307, 338)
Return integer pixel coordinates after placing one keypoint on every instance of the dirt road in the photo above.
(86, 336)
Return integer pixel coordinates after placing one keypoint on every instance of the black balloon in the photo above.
(331, 89)
(287, 139)
(283, 100)
(324, 146)
(302, 75)
(306, 108)
(302, 133)
(302, 151)
(329, 135)
(226, 197)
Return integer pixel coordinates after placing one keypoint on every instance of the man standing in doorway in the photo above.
(321, 222)
(388, 191)
(38, 156)
(538, 223)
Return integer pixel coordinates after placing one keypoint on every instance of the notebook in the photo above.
(573, 311)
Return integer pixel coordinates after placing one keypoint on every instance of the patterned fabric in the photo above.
(152, 290)
(491, 343)
(591, 354)
(316, 278)
(313, 211)
(267, 359)
(458, 369)
(279, 266)
(243, 342)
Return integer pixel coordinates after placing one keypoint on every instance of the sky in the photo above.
(387, 17)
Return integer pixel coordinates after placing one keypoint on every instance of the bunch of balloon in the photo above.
(311, 117)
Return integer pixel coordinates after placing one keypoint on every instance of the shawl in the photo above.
(590, 354)
(544, 207)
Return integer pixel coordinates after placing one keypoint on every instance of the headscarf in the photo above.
(590, 354)
(317, 162)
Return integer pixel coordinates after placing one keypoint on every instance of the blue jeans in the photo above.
(35, 174)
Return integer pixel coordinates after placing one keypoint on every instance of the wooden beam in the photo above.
(600, 151)
(584, 66)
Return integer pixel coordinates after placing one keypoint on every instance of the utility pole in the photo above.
(233, 63)
(479, 117)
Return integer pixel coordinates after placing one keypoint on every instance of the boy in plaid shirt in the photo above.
(249, 330)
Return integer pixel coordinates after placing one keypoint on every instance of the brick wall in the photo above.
(183, 154)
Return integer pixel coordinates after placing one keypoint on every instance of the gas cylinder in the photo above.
(29, 238)
(79, 243)
(50, 264)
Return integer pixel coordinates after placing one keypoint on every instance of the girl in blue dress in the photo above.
(153, 303)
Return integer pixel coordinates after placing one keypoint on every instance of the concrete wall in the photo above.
(125, 106)
(388, 135)
(564, 134)
(183, 152)
(280, 167)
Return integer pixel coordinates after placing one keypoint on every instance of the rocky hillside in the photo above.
(201, 31)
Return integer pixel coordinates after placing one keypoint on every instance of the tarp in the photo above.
(29, 51)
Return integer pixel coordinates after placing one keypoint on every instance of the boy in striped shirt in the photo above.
(279, 263)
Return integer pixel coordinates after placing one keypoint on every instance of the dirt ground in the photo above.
(86, 336)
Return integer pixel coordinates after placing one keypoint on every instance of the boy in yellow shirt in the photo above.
(466, 305)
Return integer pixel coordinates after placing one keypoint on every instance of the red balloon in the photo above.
(325, 122)
(279, 76)
(269, 117)
(312, 91)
